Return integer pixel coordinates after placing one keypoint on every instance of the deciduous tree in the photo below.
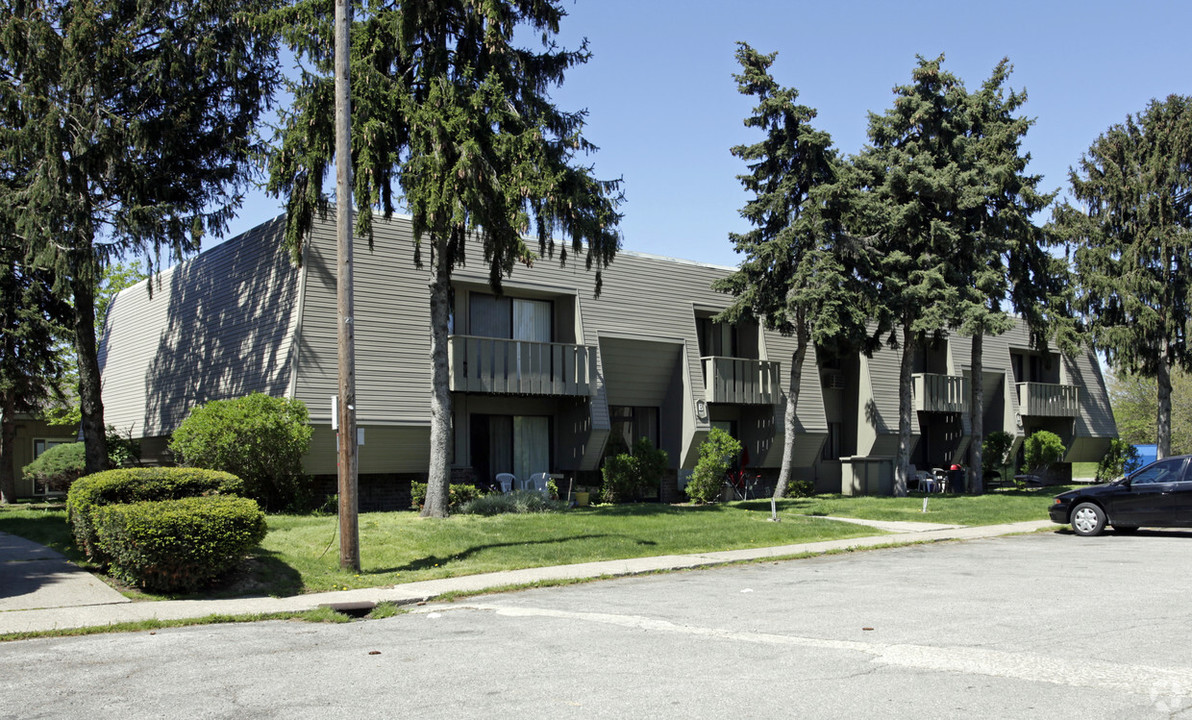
(452, 118)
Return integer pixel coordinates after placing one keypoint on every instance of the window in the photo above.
(1164, 471)
(716, 339)
(513, 318)
(40, 445)
(518, 444)
(630, 424)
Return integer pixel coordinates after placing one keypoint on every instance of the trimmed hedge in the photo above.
(178, 545)
(58, 467)
(457, 494)
(129, 485)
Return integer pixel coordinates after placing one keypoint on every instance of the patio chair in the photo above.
(507, 481)
(537, 482)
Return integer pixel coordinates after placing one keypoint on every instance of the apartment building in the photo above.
(548, 377)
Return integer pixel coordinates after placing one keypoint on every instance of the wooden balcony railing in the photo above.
(1048, 399)
(940, 393)
(521, 367)
(742, 381)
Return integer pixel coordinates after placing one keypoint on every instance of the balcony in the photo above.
(1048, 399)
(741, 381)
(940, 393)
(520, 367)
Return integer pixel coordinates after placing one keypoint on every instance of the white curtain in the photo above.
(531, 445)
(531, 320)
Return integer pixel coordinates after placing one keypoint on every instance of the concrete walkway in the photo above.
(69, 600)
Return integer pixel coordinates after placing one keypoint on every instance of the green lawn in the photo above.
(300, 553)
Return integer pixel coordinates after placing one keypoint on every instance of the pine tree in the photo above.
(914, 173)
(125, 126)
(1002, 254)
(794, 276)
(1133, 246)
(31, 366)
(451, 113)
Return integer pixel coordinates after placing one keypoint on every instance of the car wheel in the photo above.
(1088, 519)
(1125, 529)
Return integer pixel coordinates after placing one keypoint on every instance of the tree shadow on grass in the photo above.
(431, 561)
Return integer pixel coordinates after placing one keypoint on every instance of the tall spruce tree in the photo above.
(1001, 252)
(794, 277)
(914, 174)
(449, 111)
(1133, 246)
(125, 125)
(31, 365)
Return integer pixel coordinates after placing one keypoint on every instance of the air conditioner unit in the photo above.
(833, 380)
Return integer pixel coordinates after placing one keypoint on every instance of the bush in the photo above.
(257, 438)
(628, 476)
(995, 452)
(716, 455)
(1120, 456)
(1040, 451)
(130, 485)
(57, 468)
(178, 545)
(123, 450)
(457, 495)
(518, 501)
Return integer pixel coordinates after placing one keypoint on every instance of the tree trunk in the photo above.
(902, 464)
(1163, 416)
(977, 417)
(82, 285)
(439, 477)
(8, 470)
(788, 414)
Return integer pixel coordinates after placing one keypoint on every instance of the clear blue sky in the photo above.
(664, 109)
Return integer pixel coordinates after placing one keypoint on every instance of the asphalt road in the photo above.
(1035, 626)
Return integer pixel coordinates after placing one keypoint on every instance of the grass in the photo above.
(300, 553)
(1003, 506)
(1084, 469)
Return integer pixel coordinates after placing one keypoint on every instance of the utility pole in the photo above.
(349, 526)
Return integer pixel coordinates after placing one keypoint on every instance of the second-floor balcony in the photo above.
(740, 380)
(1048, 399)
(520, 367)
(940, 393)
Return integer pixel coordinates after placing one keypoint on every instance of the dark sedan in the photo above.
(1158, 495)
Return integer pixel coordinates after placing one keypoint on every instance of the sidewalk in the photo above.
(63, 604)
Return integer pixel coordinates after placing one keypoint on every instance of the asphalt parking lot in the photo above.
(1026, 626)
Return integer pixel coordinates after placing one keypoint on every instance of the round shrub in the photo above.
(257, 438)
(178, 545)
(57, 468)
(716, 455)
(1042, 450)
(129, 485)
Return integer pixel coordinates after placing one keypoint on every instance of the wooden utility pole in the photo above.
(349, 527)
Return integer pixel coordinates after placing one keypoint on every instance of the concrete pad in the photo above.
(34, 577)
(893, 526)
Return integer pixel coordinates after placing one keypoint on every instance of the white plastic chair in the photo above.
(507, 481)
(537, 482)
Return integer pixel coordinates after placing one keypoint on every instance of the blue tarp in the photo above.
(1147, 454)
